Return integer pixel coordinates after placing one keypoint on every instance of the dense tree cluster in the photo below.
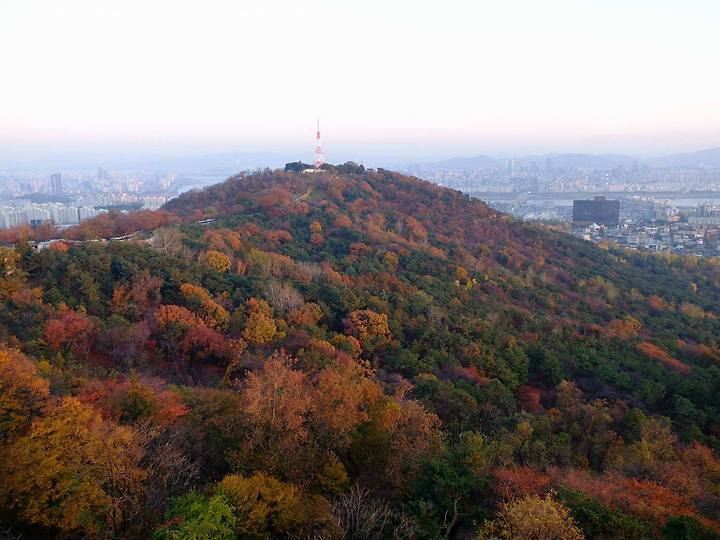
(353, 354)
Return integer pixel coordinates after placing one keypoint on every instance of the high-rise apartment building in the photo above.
(56, 184)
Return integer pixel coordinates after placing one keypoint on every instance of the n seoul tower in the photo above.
(319, 154)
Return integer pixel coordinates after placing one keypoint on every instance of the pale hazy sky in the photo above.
(456, 77)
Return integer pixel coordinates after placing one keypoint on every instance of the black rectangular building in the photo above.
(599, 210)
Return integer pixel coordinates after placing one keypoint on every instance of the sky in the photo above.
(418, 79)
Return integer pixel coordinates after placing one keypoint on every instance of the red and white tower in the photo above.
(319, 154)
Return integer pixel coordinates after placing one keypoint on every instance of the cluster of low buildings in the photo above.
(696, 232)
(682, 238)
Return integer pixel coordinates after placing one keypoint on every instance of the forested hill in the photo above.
(354, 354)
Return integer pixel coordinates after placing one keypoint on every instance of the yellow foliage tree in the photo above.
(260, 327)
(260, 501)
(399, 435)
(532, 518)
(218, 260)
(268, 508)
(12, 277)
(391, 260)
(691, 310)
(333, 479)
(72, 472)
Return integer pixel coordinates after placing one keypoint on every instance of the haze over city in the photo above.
(360, 269)
(392, 81)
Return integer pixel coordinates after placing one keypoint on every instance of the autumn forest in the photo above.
(352, 354)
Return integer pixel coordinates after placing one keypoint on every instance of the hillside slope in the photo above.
(292, 335)
(393, 237)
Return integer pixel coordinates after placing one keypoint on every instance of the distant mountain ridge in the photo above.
(221, 162)
(701, 159)
(556, 161)
(583, 161)
(474, 162)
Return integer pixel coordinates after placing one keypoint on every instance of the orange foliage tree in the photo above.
(23, 393)
(343, 394)
(517, 482)
(369, 327)
(276, 401)
(199, 299)
(656, 353)
(132, 299)
(645, 498)
(72, 330)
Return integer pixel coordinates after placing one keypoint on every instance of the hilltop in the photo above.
(357, 342)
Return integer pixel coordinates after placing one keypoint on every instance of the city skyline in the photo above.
(404, 79)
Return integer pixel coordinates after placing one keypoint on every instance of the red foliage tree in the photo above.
(518, 482)
(72, 330)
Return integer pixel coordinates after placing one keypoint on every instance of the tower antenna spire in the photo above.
(319, 154)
